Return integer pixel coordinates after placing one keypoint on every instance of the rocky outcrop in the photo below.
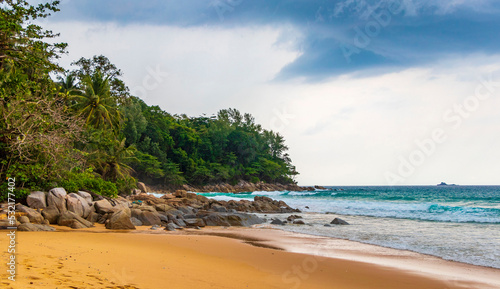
(56, 198)
(73, 221)
(104, 207)
(229, 219)
(149, 218)
(34, 227)
(120, 220)
(33, 216)
(37, 200)
(142, 187)
(86, 196)
(51, 214)
(338, 221)
(78, 205)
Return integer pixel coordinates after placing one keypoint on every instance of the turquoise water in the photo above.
(460, 223)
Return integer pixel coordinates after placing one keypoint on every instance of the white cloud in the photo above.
(344, 131)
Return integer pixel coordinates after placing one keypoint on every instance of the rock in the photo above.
(148, 218)
(186, 210)
(216, 220)
(154, 227)
(78, 205)
(168, 196)
(120, 220)
(338, 221)
(277, 222)
(135, 221)
(218, 208)
(104, 207)
(299, 222)
(102, 218)
(142, 187)
(229, 219)
(37, 200)
(197, 222)
(33, 216)
(35, 227)
(327, 225)
(51, 214)
(163, 218)
(170, 227)
(163, 207)
(72, 220)
(86, 196)
(179, 222)
(147, 209)
(23, 219)
(135, 192)
(180, 194)
(57, 198)
(92, 217)
(293, 217)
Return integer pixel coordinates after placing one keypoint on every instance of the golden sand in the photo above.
(98, 258)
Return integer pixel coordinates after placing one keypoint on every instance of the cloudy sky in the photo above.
(365, 92)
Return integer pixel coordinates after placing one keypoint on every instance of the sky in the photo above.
(387, 92)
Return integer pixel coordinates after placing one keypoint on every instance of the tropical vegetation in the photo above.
(82, 129)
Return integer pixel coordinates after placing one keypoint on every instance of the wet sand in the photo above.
(249, 258)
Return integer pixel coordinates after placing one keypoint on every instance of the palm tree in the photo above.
(68, 86)
(115, 166)
(96, 103)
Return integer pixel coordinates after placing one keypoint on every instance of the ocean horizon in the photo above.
(457, 223)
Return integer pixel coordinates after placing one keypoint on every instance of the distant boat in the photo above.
(442, 184)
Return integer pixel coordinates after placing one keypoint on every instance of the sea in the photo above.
(458, 223)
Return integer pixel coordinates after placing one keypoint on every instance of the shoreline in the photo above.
(234, 257)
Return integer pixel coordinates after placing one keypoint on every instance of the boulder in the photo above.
(146, 208)
(180, 194)
(142, 187)
(57, 198)
(35, 227)
(120, 220)
(218, 208)
(72, 220)
(277, 222)
(78, 205)
(86, 196)
(338, 221)
(148, 218)
(93, 217)
(299, 222)
(23, 219)
(163, 207)
(230, 219)
(135, 221)
(104, 207)
(179, 222)
(51, 214)
(196, 222)
(170, 227)
(37, 200)
(216, 220)
(293, 217)
(155, 227)
(34, 216)
(187, 210)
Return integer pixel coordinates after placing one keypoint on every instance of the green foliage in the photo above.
(74, 182)
(86, 132)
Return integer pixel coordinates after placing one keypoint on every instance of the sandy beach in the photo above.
(220, 258)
